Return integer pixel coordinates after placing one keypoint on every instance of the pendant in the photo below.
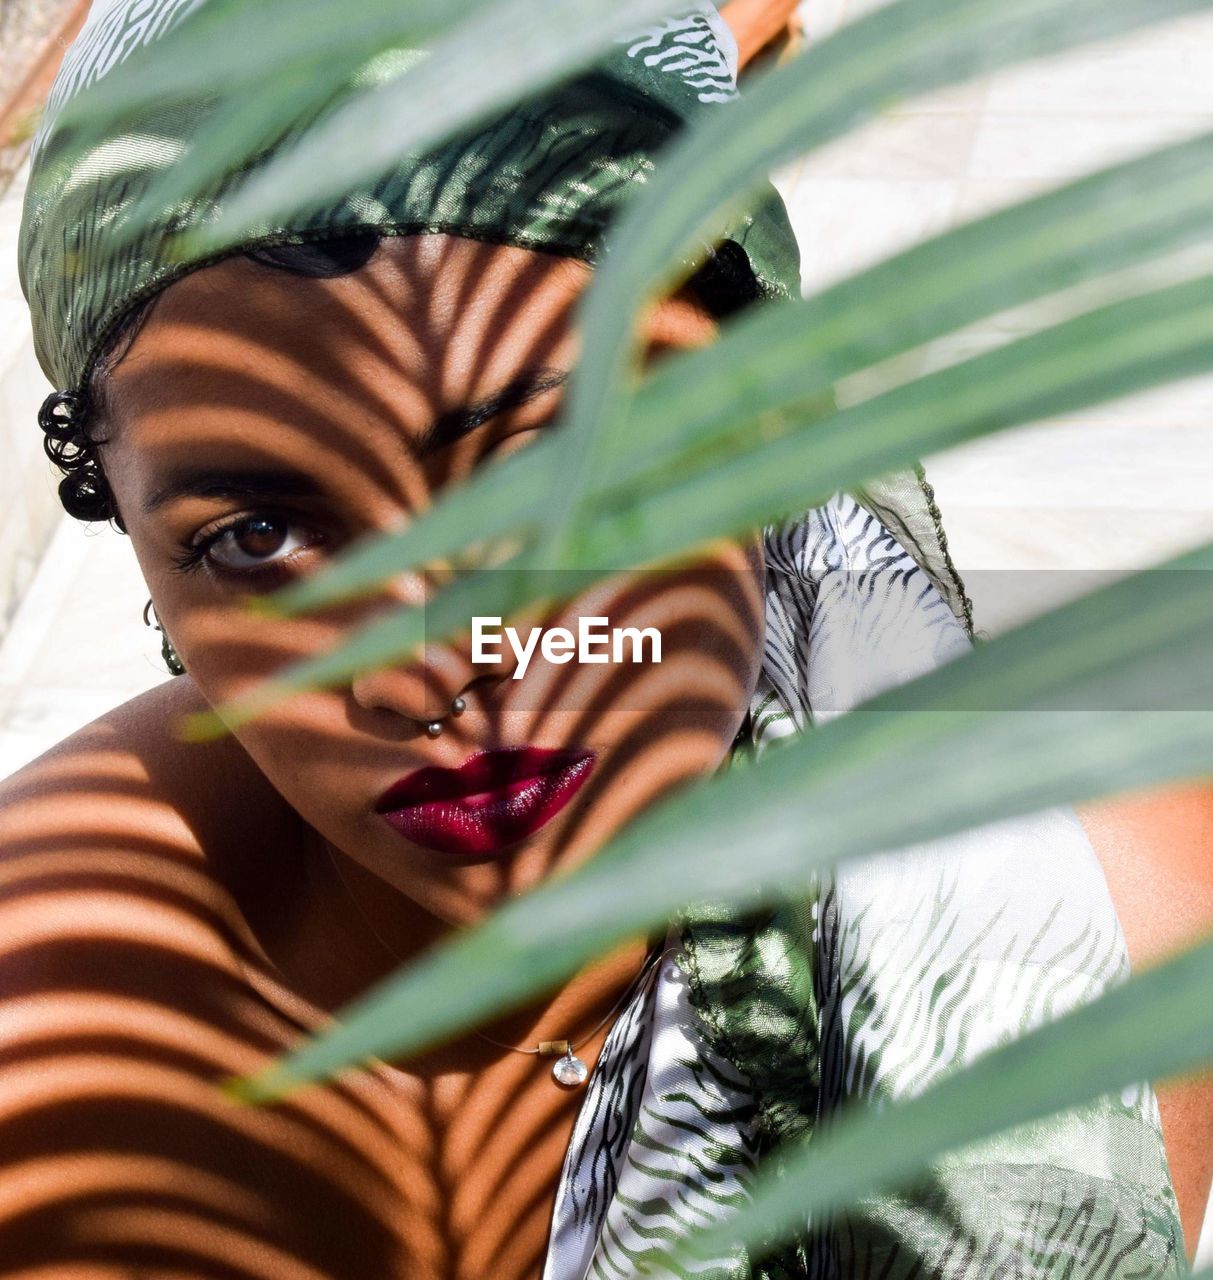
(569, 1070)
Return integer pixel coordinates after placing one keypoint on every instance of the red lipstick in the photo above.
(493, 800)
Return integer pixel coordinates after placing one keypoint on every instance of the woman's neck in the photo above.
(346, 929)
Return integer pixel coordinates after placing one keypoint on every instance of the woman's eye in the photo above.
(254, 542)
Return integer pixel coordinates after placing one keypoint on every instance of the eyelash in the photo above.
(196, 555)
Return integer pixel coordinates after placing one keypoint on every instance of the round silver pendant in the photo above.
(569, 1071)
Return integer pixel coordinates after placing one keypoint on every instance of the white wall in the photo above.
(29, 508)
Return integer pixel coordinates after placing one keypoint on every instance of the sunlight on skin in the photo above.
(1156, 849)
(203, 928)
(129, 988)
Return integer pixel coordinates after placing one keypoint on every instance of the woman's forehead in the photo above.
(386, 374)
(401, 373)
(421, 283)
(426, 311)
(430, 316)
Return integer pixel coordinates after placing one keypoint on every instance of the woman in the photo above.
(177, 914)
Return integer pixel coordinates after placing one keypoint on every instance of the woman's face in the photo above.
(262, 421)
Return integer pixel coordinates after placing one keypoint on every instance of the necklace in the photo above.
(568, 1070)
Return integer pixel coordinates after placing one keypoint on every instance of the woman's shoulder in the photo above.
(126, 827)
(129, 987)
(134, 751)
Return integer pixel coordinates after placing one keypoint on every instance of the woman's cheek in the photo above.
(311, 765)
(710, 617)
(230, 650)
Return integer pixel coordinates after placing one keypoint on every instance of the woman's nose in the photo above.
(425, 687)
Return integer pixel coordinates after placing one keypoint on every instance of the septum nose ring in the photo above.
(458, 707)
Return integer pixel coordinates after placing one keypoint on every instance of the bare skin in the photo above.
(1156, 849)
(189, 891)
(758, 23)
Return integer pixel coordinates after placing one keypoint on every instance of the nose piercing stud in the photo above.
(458, 707)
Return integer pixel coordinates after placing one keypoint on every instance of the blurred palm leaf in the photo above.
(1099, 355)
(774, 360)
(499, 54)
(230, 47)
(1127, 345)
(906, 48)
(484, 55)
(1110, 692)
(470, 67)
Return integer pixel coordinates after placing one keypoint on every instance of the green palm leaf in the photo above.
(470, 67)
(1108, 352)
(786, 354)
(907, 48)
(1113, 691)
(474, 70)
(783, 356)
(1119, 348)
(227, 47)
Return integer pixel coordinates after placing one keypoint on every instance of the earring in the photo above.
(458, 707)
(167, 652)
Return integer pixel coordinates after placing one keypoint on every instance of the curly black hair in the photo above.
(724, 285)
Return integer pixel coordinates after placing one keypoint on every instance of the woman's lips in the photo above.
(493, 800)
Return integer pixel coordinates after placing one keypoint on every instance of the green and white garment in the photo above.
(917, 961)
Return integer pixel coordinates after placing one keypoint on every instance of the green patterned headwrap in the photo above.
(549, 175)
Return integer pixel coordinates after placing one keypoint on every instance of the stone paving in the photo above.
(24, 27)
(29, 29)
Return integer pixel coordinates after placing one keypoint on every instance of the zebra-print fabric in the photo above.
(920, 958)
(699, 47)
(602, 1134)
(113, 30)
(664, 1142)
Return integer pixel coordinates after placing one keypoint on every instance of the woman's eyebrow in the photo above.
(200, 481)
(220, 482)
(456, 423)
